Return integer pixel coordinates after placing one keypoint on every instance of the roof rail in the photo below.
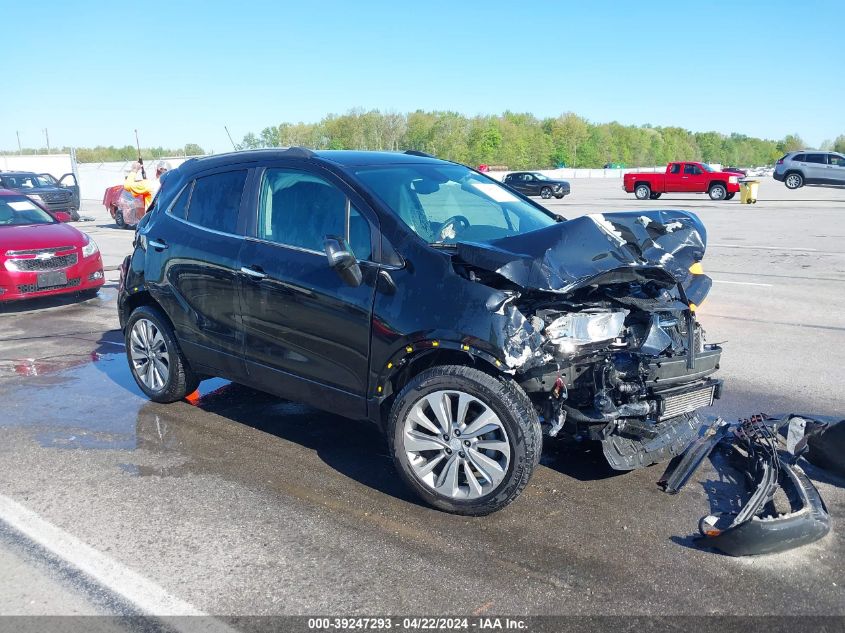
(301, 152)
(413, 152)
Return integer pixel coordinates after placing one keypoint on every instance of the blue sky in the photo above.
(179, 71)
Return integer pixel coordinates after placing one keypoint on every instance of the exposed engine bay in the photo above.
(600, 328)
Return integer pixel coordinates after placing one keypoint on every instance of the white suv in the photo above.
(809, 167)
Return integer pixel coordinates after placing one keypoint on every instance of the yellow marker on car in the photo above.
(697, 269)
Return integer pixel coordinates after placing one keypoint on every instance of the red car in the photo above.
(683, 178)
(42, 256)
(125, 209)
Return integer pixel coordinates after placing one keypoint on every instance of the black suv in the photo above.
(416, 293)
(532, 183)
(53, 195)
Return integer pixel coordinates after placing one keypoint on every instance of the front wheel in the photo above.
(642, 192)
(717, 192)
(155, 359)
(545, 193)
(464, 441)
(794, 181)
(118, 218)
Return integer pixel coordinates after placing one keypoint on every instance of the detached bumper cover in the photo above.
(759, 527)
(750, 534)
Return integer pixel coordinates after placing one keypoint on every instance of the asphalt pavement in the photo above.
(243, 504)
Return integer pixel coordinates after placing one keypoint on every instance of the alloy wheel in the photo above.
(793, 181)
(546, 193)
(456, 445)
(148, 351)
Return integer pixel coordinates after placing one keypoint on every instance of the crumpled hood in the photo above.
(599, 249)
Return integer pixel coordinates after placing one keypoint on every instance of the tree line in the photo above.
(510, 140)
(522, 141)
(103, 154)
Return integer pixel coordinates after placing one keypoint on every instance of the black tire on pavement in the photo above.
(118, 218)
(642, 191)
(500, 395)
(793, 180)
(180, 380)
(717, 191)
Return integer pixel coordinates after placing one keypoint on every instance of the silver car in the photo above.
(810, 167)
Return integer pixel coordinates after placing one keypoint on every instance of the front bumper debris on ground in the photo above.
(784, 511)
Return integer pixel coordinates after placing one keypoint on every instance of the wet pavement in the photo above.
(241, 503)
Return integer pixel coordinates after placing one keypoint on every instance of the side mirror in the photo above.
(61, 216)
(342, 261)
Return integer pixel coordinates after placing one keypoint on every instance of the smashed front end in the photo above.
(599, 328)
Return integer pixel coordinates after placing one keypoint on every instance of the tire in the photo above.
(717, 192)
(148, 331)
(74, 215)
(546, 193)
(118, 218)
(794, 180)
(642, 192)
(655, 196)
(730, 196)
(513, 436)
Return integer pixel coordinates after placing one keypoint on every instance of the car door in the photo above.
(693, 179)
(836, 169)
(674, 178)
(192, 268)
(816, 168)
(69, 182)
(306, 332)
(516, 182)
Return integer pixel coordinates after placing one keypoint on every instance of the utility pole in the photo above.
(18, 134)
(47, 136)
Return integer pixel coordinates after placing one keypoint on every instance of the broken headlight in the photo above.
(570, 331)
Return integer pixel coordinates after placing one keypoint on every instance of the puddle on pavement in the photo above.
(93, 403)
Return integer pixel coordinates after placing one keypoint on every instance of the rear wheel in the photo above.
(546, 193)
(155, 359)
(717, 192)
(794, 181)
(642, 192)
(466, 442)
(118, 218)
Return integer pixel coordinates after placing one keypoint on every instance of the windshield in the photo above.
(17, 210)
(539, 176)
(24, 181)
(449, 203)
(706, 167)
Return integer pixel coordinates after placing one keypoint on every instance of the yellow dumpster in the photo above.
(748, 190)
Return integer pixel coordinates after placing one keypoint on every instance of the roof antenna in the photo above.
(230, 138)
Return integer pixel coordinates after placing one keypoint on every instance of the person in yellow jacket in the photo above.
(141, 187)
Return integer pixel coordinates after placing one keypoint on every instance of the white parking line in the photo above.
(144, 594)
(740, 283)
(765, 248)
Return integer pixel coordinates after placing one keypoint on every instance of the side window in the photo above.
(216, 199)
(297, 208)
(836, 160)
(816, 158)
(691, 169)
(675, 169)
(179, 208)
(800, 158)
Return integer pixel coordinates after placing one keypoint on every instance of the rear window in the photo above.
(216, 199)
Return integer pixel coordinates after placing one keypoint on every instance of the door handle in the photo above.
(252, 272)
(158, 245)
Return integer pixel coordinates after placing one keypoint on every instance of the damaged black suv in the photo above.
(464, 319)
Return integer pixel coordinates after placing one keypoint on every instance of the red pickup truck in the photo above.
(683, 178)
